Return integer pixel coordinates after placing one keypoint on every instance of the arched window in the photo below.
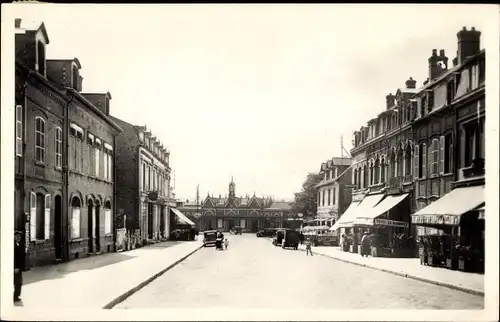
(41, 58)
(408, 168)
(393, 164)
(377, 171)
(39, 139)
(75, 217)
(400, 162)
(359, 178)
(108, 220)
(382, 170)
(365, 176)
(371, 173)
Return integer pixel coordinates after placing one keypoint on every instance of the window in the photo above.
(359, 178)
(323, 198)
(421, 161)
(355, 177)
(333, 196)
(19, 130)
(435, 157)
(149, 178)
(75, 75)
(408, 161)
(91, 164)
(365, 176)
(105, 160)
(481, 72)
(450, 92)
(108, 222)
(382, 170)
(110, 166)
(75, 217)
(46, 223)
(97, 151)
(76, 147)
(377, 171)
(39, 139)
(430, 101)
(58, 147)
(448, 153)
(470, 144)
(329, 197)
(33, 215)
(40, 216)
(371, 174)
(144, 176)
(220, 223)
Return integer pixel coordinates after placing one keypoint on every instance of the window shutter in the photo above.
(72, 152)
(441, 154)
(105, 160)
(33, 216)
(110, 165)
(93, 222)
(424, 160)
(47, 217)
(96, 161)
(451, 156)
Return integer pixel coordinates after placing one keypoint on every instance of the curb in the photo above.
(417, 278)
(128, 293)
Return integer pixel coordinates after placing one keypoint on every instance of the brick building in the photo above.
(66, 164)
(251, 213)
(39, 175)
(334, 192)
(450, 134)
(143, 181)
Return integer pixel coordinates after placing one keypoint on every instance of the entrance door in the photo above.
(58, 227)
(90, 225)
(97, 226)
(150, 220)
(162, 221)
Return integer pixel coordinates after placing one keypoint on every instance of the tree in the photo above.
(306, 201)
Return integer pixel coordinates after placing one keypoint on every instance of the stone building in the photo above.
(67, 145)
(251, 213)
(143, 181)
(334, 192)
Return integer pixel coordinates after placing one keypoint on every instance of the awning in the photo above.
(367, 218)
(346, 216)
(448, 209)
(182, 217)
(365, 207)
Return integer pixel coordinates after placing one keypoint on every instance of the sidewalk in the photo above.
(410, 268)
(101, 281)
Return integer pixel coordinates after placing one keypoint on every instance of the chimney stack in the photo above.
(411, 83)
(468, 43)
(437, 64)
(17, 23)
(390, 100)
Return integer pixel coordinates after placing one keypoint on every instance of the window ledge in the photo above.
(76, 240)
(40, 164)
(58, 168)
(109, 235)
(39, 241)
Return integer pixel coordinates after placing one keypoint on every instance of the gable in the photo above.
(254, 203)
(208, 202)
(230, 203)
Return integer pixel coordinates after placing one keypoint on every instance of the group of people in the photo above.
(225, 242)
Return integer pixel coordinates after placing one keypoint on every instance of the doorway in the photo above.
(150, 220)
(162, 221)
(97, 226)
(58, 227)
(90, 225)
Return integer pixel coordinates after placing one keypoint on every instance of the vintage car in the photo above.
(209, 238)
(291, 239)
(267, 232)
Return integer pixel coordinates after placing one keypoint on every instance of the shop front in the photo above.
(182, 227)
(342, 226)
(459, 216)
(388, 226)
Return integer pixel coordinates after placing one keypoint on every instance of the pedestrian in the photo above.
(308, 247)
(18, 266)
(226, 243)
(301, 238)
(365, 245)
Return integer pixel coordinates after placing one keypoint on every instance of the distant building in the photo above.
(143, 181)
(251, 213)
(334, 191)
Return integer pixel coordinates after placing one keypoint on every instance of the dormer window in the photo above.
(41, 57)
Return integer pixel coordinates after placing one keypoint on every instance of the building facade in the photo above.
(65, 142)
(334, 192)
(251, 213)
(143, 181)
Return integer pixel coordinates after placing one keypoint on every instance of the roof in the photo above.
(341, 161)
(280, 205)
(35, 26)
(408, 90)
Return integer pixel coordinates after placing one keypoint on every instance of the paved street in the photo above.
(253, 273)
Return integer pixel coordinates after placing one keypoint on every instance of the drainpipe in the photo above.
(65, 206)
(27, 239)
(138, 185)
(114, 193)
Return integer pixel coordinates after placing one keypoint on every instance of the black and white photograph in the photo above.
(279, 162)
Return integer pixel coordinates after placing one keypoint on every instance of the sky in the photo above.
(262, 93)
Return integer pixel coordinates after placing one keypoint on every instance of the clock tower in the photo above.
(232, 189)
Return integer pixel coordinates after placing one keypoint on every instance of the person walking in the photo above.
(308, 247)
(18, 266)
(301, 238)
(365, 245)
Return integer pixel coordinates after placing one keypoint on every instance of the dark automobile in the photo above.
(267, 232)
(183, 234)
(278, 237)
(209, 237)
(291, 239)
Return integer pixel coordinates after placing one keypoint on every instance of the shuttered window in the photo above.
(75, 217)
(39, 139)
(58, 147)
(32, 216)
(19, 130)
(46, 223)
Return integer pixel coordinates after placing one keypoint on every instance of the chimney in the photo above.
(390, 100)
(455, 60)
(468, 43)
(17, 23)
(411, 83)
(437, 64)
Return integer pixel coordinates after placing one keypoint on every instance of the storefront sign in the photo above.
(27, 233)
(363, 221)
(448, 220)
(391, 223)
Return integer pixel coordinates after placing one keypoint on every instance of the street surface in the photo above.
(253, 273)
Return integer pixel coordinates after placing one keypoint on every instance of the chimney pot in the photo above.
(17, 22)
(468, 43)
(473, 29)
(441, 53)
(411, 83)
(464, 28)
(434, 52)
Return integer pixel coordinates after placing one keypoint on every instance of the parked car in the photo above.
(209, 237)
(267, 232)
(291, 239)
